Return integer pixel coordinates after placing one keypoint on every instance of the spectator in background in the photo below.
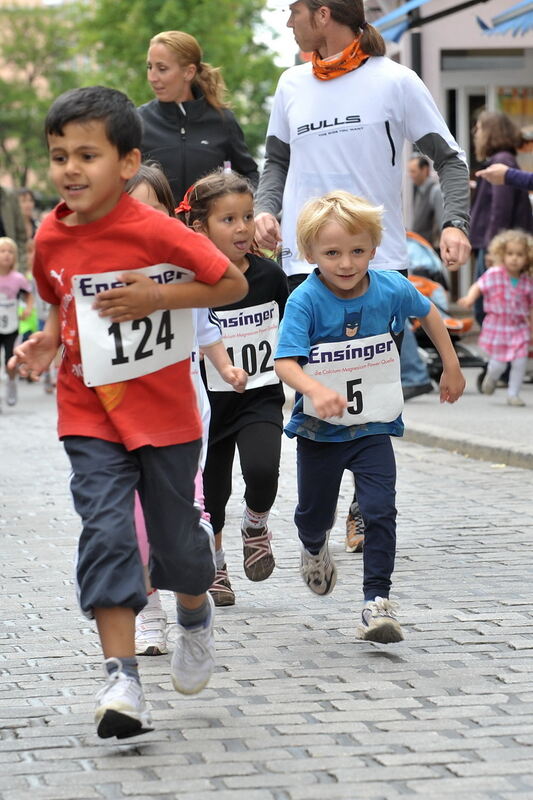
(427, 201)
(27, 208)
(188, 128)
(501, 174)
(496, 208)
(12, 223)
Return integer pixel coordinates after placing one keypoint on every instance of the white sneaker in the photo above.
(319, 572)
(11, 392)
(515, 400)
(193, 660)
(379, 623)
(151, 629)
(120, 706)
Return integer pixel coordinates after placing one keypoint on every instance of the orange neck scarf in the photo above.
(351, 58)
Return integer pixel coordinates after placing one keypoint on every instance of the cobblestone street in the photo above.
(297, 709)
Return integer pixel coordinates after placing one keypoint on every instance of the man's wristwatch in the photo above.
(461, 224)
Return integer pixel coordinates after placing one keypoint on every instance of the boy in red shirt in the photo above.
(128, 417)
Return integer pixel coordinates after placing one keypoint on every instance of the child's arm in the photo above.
(218, 356)
(142, 296)
(452, 382)
(470, 297)
(34, 356)
(29, 305)
(327, 402)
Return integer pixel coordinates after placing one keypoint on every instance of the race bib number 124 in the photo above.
(112, 351)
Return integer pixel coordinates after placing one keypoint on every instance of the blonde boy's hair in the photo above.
(13, 245)
(498, 245)
(355, 214)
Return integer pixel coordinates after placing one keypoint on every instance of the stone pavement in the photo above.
(478, 426)
(297, 709)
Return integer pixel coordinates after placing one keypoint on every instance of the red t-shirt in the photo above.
(157, 409)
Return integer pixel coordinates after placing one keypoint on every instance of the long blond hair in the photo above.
(187, 51)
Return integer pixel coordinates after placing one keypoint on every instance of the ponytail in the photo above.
(211, 83)
(372, 42)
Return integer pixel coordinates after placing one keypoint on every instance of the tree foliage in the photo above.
(117, 32)
(45, 50)
(36, 46)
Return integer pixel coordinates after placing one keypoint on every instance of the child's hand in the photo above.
(452, 385)
(464, 302)
(235, 376)
(34, 356)
(25, 313)
(139, 298)
(327, 403)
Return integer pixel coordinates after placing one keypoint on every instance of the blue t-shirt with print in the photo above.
(314, 314)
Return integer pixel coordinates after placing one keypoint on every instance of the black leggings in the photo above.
(7, 343)
(259, 445)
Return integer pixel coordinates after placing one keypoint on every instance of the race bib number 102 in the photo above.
(112, 351)
(250, 336)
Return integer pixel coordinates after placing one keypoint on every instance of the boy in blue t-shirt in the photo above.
(337, 350)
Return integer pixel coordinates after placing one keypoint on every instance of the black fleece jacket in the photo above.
(190, 139)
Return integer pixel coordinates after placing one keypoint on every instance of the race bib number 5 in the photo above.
(250, 335)
(112, 351)
(364, 371)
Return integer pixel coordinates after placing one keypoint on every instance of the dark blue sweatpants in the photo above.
(104, 478)
(320, 466)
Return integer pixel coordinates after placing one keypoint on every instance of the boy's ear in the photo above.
(308, 257)
(130, 163)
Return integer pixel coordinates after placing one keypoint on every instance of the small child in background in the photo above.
(220, 206)
(150, 186)
(13, 285)
(336, 349)
(507, 329)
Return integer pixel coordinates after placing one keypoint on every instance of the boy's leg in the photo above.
(109, 575)
(374, 468)
(320, 466)
(259, 451)
(181, 556)
(109, 569)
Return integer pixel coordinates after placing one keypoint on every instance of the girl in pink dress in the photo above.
(507, 328)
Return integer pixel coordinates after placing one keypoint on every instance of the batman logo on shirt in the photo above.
(352, 323)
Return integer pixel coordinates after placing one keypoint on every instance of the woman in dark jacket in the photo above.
(188, 129)
(496, 208)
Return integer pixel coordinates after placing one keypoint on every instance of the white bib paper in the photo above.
(9, 321)
(113, 352)
(250, 336)
(365, 371)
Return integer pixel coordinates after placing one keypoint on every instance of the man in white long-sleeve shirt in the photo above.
(341, 122)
